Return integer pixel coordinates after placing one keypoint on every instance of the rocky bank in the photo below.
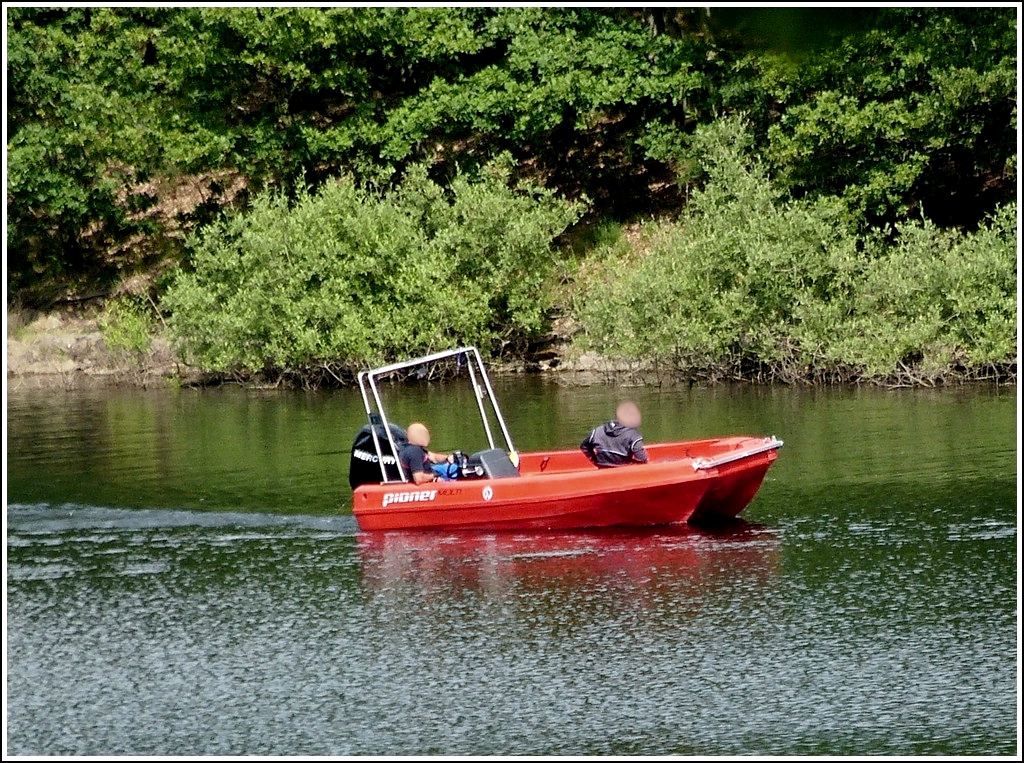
(66, 350)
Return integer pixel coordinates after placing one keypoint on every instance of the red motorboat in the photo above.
(694, 481)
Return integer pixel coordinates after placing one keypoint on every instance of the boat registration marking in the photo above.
(409, 497)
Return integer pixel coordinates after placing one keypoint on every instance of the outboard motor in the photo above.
(364, 466)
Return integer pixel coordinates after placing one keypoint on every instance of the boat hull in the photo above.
(693, 481)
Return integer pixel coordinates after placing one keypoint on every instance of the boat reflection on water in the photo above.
(633, 562)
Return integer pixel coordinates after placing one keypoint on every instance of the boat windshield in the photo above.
(457, 360)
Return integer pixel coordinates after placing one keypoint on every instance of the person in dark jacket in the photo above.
(418, 463)
(618, 442)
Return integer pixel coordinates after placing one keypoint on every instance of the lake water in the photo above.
(184, 577)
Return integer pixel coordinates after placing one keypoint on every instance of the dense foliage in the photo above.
(753, 284)
(914, 118)
(347, 275)
(890, 140)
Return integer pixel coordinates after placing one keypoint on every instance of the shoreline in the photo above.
(67, 351)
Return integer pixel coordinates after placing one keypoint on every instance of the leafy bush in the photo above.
(722, 289)
(752, 284)
(937, 302)
(348, 276)
(127, 326)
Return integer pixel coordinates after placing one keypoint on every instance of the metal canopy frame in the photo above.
(481, 388)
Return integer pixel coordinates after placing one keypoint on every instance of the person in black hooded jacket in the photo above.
(617, 442)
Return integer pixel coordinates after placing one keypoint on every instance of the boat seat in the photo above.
(492, 463)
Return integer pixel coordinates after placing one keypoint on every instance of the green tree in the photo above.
(110, 98)
(916, 117)
(80, 136)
